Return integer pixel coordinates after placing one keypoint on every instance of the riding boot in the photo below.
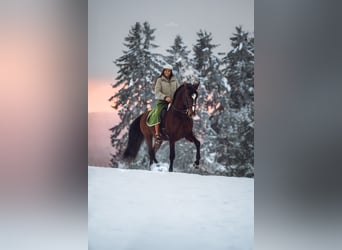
(157, 135)
(158, 141)
(157, 145)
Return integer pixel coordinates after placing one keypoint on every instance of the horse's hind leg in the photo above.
(151, 150)
(197, 143)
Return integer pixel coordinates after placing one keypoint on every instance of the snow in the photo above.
(226, 84)
(160, 167)
(138, 209)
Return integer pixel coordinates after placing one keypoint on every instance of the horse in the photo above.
(178, 124)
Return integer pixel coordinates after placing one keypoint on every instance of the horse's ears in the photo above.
(196, 85)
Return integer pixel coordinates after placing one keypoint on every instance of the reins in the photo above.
(183, 111)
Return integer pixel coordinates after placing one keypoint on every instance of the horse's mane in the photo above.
(178, 90)
(176, 93)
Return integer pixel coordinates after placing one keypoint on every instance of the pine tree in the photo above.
(235, 125)
(211, 93)
(179, 58)
(240, 69)
(137, 68)
(208, 66)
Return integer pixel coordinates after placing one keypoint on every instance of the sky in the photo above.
(110, 21)
(139, 209)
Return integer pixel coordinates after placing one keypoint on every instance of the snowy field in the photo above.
(147, 210)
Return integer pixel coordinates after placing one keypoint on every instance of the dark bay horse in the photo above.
(178, 124)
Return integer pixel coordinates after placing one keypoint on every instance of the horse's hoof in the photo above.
(170, 170)
(196, 164)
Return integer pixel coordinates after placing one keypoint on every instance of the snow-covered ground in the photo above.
(138, 209)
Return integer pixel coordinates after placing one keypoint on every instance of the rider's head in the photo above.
(167, 71)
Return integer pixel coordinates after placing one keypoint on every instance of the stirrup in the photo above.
(157, 143)
(157, 136)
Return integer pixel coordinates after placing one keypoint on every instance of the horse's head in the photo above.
(185, 99)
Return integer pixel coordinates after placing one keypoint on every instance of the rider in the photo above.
(165, 88)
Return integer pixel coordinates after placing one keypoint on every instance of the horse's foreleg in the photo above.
(172, 155)
(197, 143)
(198, 146)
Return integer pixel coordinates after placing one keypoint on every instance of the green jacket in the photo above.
(165, 87)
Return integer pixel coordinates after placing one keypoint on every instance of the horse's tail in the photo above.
(135, 138)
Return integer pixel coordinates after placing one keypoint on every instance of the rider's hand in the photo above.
(168, 99)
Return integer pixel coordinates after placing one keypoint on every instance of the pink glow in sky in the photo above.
(99, 91)
(101, 117)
